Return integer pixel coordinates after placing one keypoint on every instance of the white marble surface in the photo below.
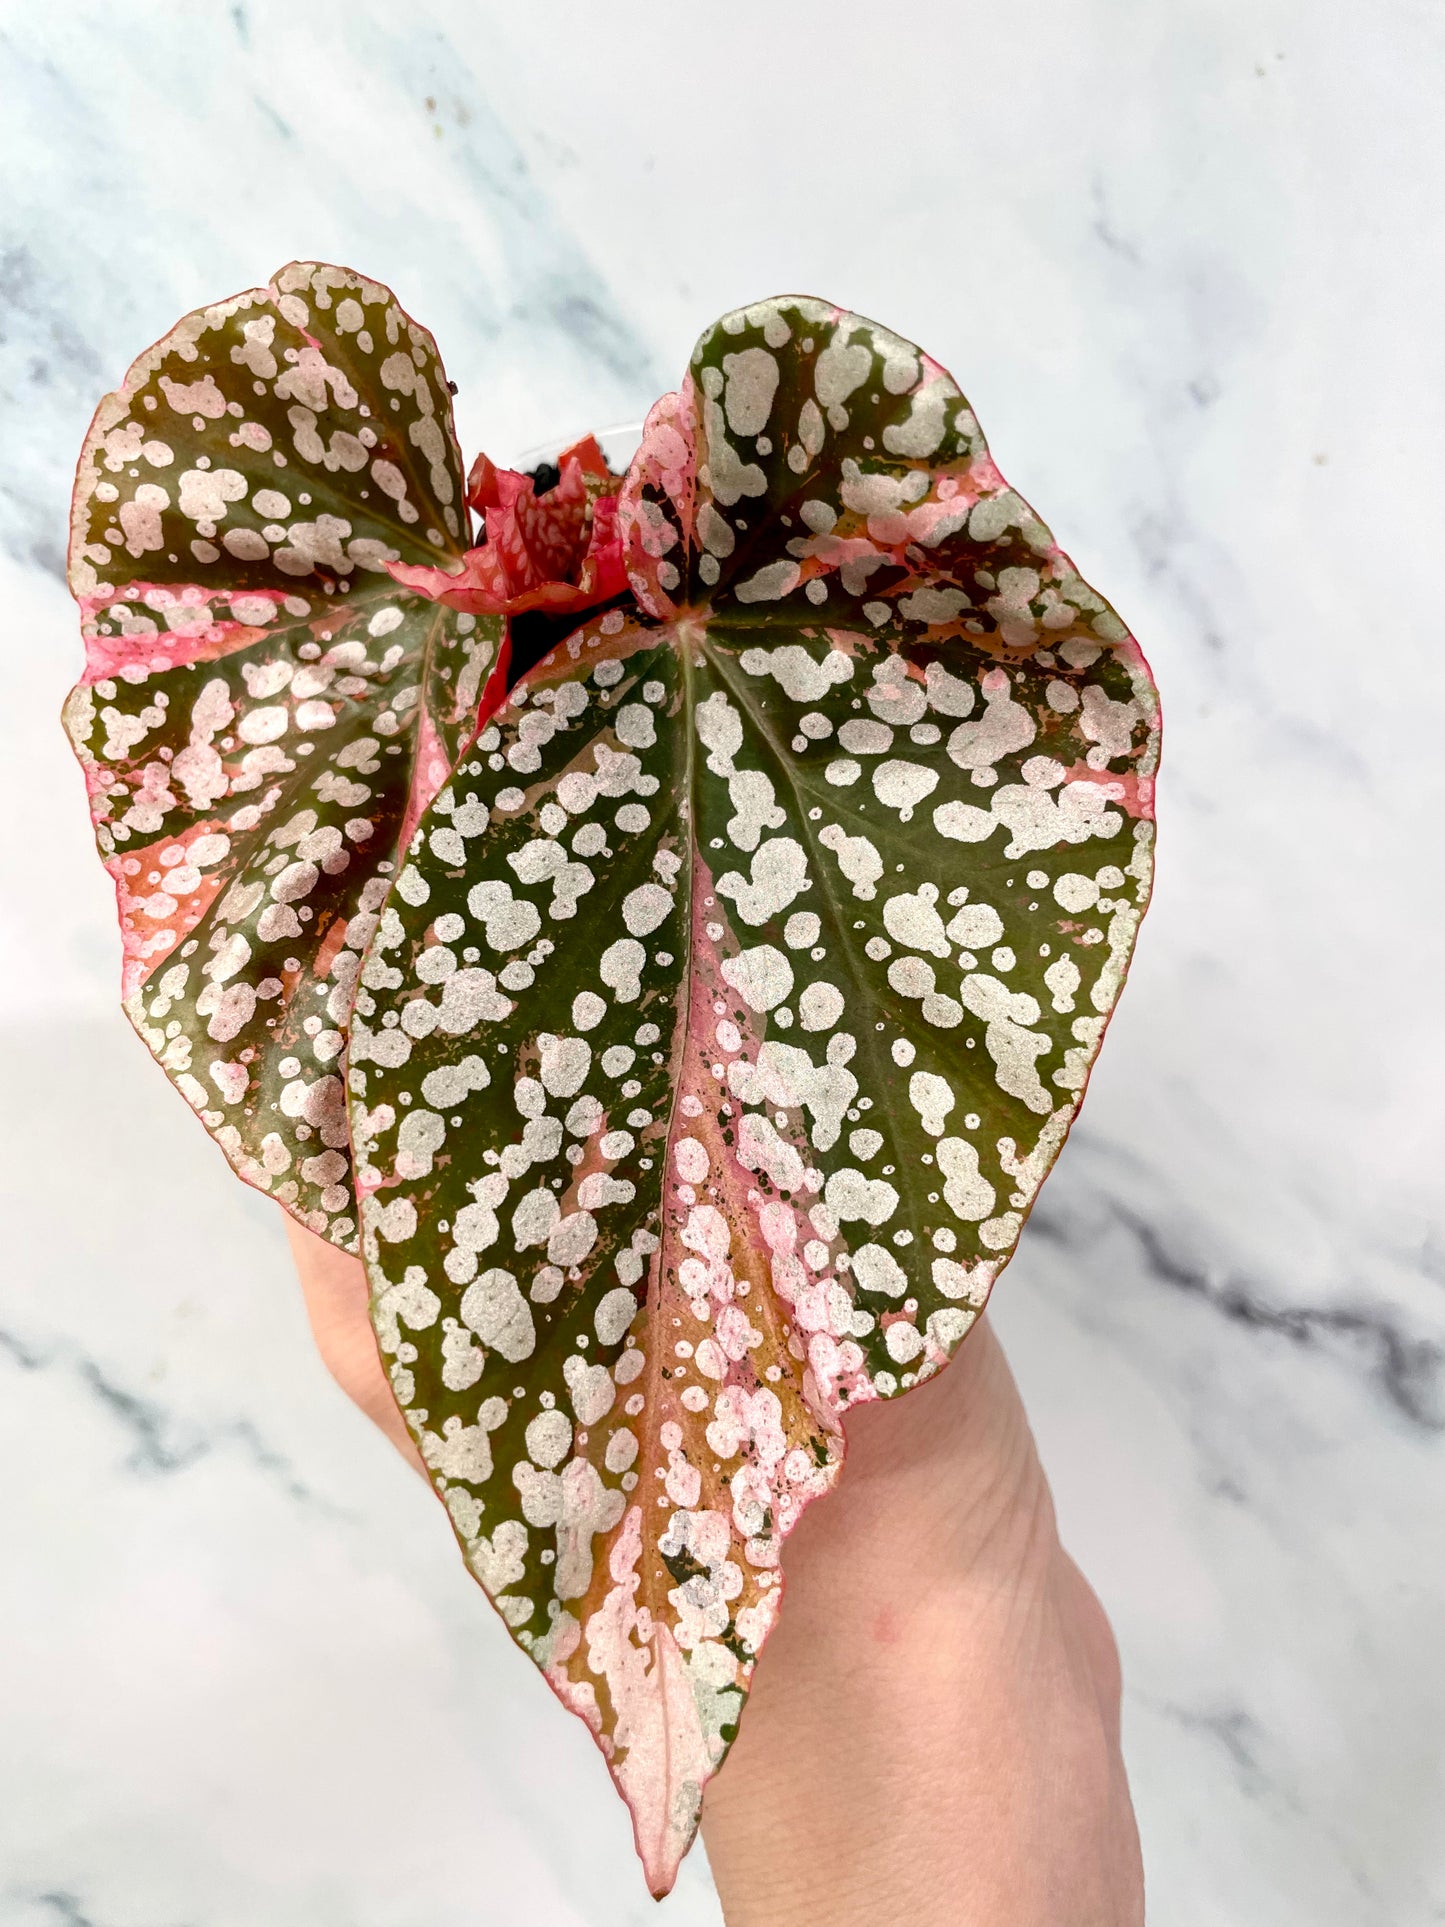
(1187, 263)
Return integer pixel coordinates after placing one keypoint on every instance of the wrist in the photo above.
(939, 1703)
(941, 1493)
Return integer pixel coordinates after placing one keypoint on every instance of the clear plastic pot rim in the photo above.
(619, 443)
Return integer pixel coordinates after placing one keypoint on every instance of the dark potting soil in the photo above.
(536, 631)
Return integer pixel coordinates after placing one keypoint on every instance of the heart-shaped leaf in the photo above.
(265, 712)
(734, 1000)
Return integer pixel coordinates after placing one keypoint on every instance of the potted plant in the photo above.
(667, 929)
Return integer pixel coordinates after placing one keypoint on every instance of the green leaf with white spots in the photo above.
(265, 713)
(702, 1094)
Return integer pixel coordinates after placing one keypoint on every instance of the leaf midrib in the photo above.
(683, 639)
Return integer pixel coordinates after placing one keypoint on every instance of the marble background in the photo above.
(1187, 262)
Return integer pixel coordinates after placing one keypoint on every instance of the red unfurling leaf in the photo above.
(560, 551)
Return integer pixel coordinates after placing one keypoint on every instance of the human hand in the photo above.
(932, 1735)
(334, 1287)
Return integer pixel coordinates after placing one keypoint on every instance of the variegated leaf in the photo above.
(264, 712)
(701, 1095)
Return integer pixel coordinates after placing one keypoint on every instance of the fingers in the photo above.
(334, 1286)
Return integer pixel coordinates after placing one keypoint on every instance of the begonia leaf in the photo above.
(265, 712)
(734, 1000)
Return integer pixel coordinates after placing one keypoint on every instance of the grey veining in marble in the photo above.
(1187, 262)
